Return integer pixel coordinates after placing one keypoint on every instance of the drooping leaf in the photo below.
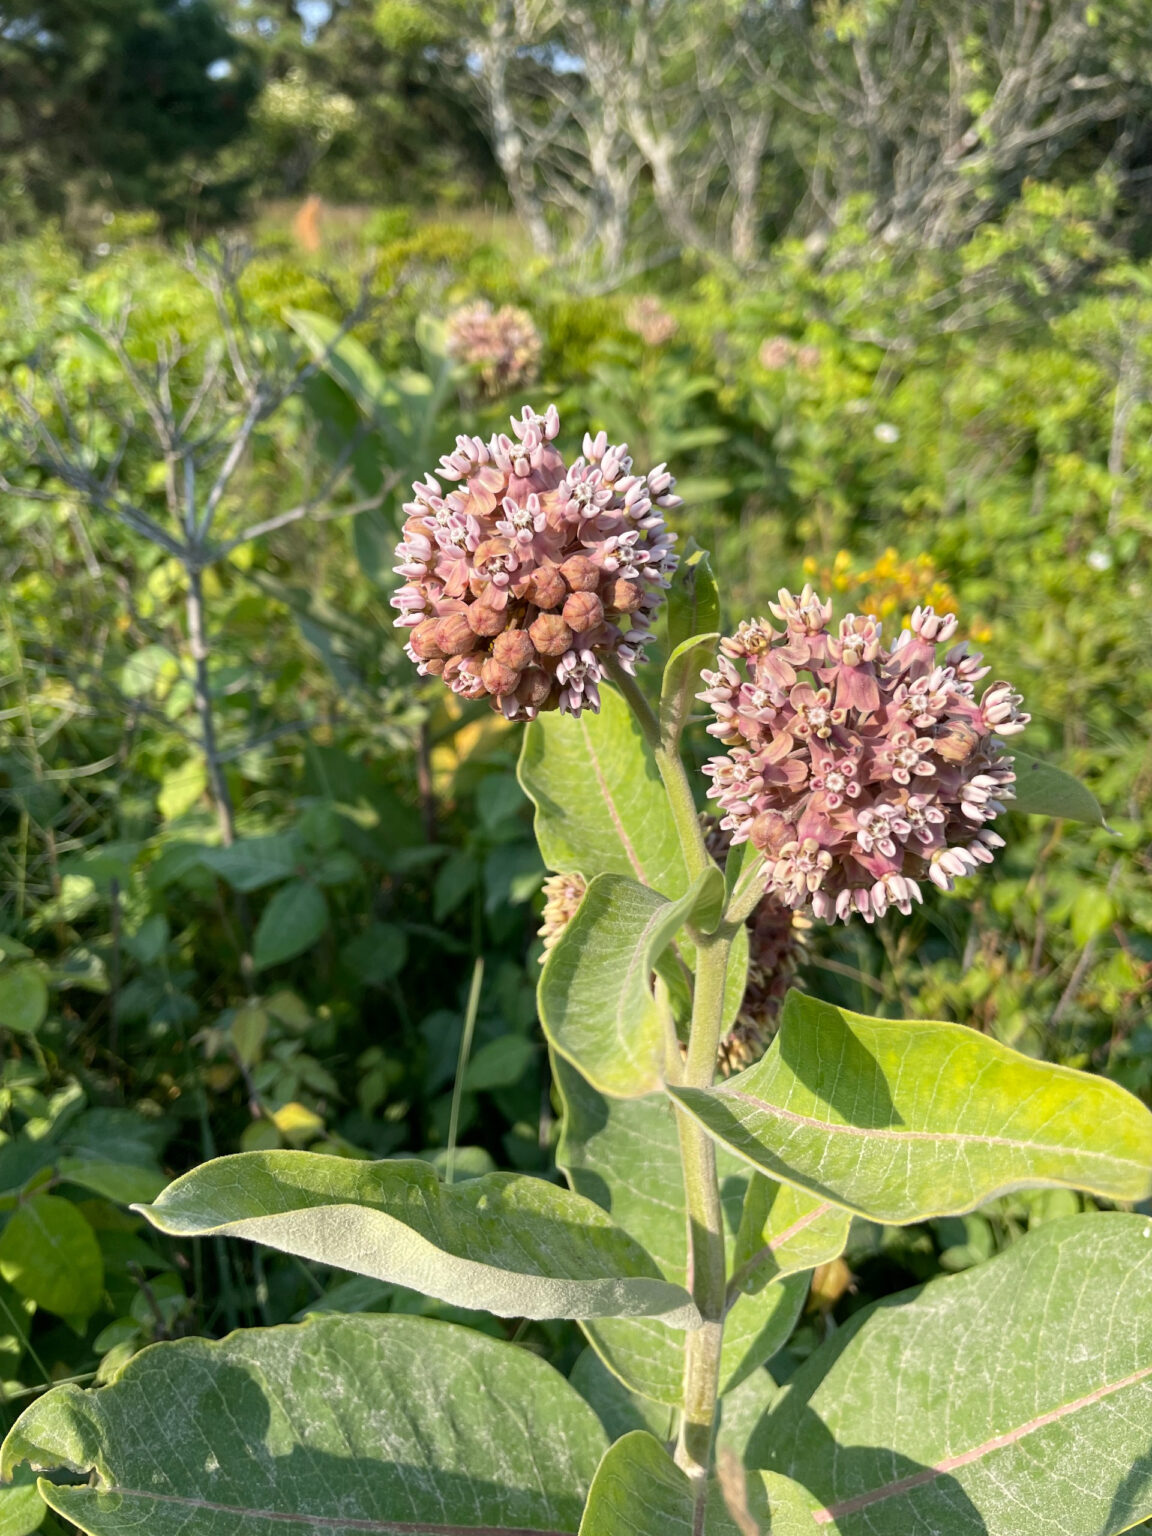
(600, 806)
(693, 599)
(1043, 790)
(624, 1154)
(638, 1490)
(49, 1254)
(340, 1425)
(504, 1243)
(23, 998)
(595, 997)
(903, 1120)
(292, 921)
(22, 1510)
(1012, 1399)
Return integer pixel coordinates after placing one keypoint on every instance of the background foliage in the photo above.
(903, 366)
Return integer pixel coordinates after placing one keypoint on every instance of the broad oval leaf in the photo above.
(595, 994)
(254, 862)
(624, 1154)
(292, 921)
(600, 805)
(903, 1120)
(504, 1243)
(1009, 1400)
(681, 683)
(49, 1255)
(784, 1230)
(23, 999)
(340, 1424)
(639, 1491)
(1042, 790)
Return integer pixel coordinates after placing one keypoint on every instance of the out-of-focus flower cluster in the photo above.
(782, 352)
(501, 346)
(854, 769)
(647, 318)
(522, 579)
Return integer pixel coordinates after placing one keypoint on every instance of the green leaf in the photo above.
(905, 1120)
(255, 862)
(181, 788)
(639, 1491)
(681, 684)
(618, 1409)
(352, 366)
(499, 1063)
(693, 599)
(124, 1183)
(624, 1154)
(595, 997)
(600, 805)
(341, 1424)
(503, 1243)
(1042, 790)
(1012, 1399)
(23, 998)
(22, 1509)
(784, 1230)
(292, 921)
(49, 1255)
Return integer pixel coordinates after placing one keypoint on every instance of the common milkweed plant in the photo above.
(708, 1171)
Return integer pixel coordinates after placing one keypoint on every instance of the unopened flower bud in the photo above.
(582, 611)
(550, 634)
(514, 648)
(534, 687)
(581, 574)
(624, 596)
(548, 588)
(454, 635)
(498, 678)
(422, 639)
(485, 619)
(562, 895)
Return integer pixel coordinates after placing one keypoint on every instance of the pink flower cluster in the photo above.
(502, 345)
(877, 768)
(525, 576)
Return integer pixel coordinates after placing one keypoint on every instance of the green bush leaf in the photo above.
(23, 998)
(784, 1230)
(600, 805)
(22, 1510)
(682, 682)
(255, 862)
(346, 1424)
(292, 921)
(49, 1255)
(1043, 790)
(693, 598)
(639, 1491)
(618, 1409)
(1009, 1400)
(595, 997)
(624, 1154)
(504, 1243)
(904, 1120)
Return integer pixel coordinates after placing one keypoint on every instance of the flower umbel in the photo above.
(879, 768)
(529, 573)
(502, 345)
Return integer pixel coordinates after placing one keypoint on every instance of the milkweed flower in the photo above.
(858, 770)
(501, 345)
(525, 576)
(563, 893)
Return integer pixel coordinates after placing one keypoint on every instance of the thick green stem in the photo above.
(705, 1219)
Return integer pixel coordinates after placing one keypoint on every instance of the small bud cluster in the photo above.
(502, 346)
(776, 936)
(878, 768)
(562, 895)
(521, 580)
